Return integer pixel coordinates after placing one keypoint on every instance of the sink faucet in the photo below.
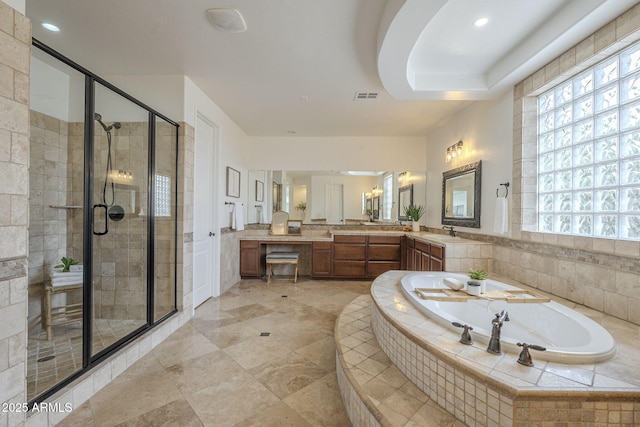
(496, 326)
(452, 232)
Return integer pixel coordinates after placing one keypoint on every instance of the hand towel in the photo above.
(262, 215)
(454, 284)
(237, 217)
(501, 216)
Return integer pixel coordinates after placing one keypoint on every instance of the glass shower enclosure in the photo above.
(103, 220)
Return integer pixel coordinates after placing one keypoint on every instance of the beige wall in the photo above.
(602, 274)
(15, 45)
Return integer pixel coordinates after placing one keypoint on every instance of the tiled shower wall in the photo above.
(15, 45)
(57, 179)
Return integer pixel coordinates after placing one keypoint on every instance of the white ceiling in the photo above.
(300, 63)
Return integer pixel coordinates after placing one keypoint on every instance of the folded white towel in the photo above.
(501, 216)
(237, 217)
(454, 284)
(66, 282)
(67, 275)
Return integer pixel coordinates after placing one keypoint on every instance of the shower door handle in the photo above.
(106, 219)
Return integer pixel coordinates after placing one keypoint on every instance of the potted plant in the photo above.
(67, 262)
(479, 277)
(302, 207)
(414, 212)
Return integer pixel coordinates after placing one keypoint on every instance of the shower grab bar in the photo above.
(106, 219)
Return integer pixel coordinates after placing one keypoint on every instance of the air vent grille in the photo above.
(365, 96)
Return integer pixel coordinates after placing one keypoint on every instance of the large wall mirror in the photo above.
(461, 196)
(335, 197)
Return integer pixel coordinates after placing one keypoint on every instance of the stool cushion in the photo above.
(283, 256)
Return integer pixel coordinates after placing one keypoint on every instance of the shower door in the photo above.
(120, 224)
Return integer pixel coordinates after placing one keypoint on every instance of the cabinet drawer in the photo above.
(376, 268)
(349, 252)
(249, 244)
(323, 246)
(385, 240)
(350, 239)
(423, 247)
(384, 252)
(355, 269)
(436, 251)
(411, 243)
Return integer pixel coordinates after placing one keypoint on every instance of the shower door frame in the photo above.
(90, 360)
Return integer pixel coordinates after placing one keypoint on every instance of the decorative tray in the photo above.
(509, 295)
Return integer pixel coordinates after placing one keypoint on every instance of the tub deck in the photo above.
(480, 388)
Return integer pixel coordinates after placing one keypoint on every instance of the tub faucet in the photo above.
(452, 232)
(496, 326)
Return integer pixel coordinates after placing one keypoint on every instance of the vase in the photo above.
(415, 225)
(482, 283)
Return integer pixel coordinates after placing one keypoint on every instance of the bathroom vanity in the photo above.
(354, 254)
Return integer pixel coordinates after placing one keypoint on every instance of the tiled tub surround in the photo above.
(484, 389)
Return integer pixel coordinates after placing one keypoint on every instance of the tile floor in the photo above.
(217, 370)
(51, 361)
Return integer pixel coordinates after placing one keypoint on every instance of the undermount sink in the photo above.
(368, 223)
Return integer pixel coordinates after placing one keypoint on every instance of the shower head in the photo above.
(98, 118)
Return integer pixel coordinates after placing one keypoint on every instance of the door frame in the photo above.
(215, 199)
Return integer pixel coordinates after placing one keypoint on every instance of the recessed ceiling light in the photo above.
(50, 27)
(481, 22)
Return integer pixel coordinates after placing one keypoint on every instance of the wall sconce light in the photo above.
(454, 151)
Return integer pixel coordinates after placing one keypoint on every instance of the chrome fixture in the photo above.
(525, 357)
(454, 151)
(452, 232)
(466, 336)
(496, 326)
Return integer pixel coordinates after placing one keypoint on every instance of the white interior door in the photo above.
(203, 213)
(334, 203)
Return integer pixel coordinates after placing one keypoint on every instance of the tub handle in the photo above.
(525, 357)
(466, 336)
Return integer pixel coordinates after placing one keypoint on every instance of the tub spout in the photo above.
(494, 346)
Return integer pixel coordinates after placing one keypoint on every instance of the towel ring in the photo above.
(506, 187)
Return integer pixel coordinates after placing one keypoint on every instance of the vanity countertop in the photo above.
(324, 236)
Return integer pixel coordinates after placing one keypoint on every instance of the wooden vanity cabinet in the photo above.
(321, 259)
(250, 259)
(436, 258)
(423, 256)
(384, 254)
(350, 256)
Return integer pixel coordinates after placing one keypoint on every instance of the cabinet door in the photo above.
(425, 261)
(437, 258)
(410, 254)
(321, 259)
(249, 258)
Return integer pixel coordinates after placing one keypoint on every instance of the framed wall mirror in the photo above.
(461, 189)
(405, 198)
(376, 207)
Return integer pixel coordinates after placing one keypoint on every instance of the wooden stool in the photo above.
(63, 314)
(282, 258)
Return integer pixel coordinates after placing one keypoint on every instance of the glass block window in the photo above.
(387, 188)
(163, 195)
(589, 151)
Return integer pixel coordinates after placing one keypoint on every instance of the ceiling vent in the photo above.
(365, 96)
(226, 20)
